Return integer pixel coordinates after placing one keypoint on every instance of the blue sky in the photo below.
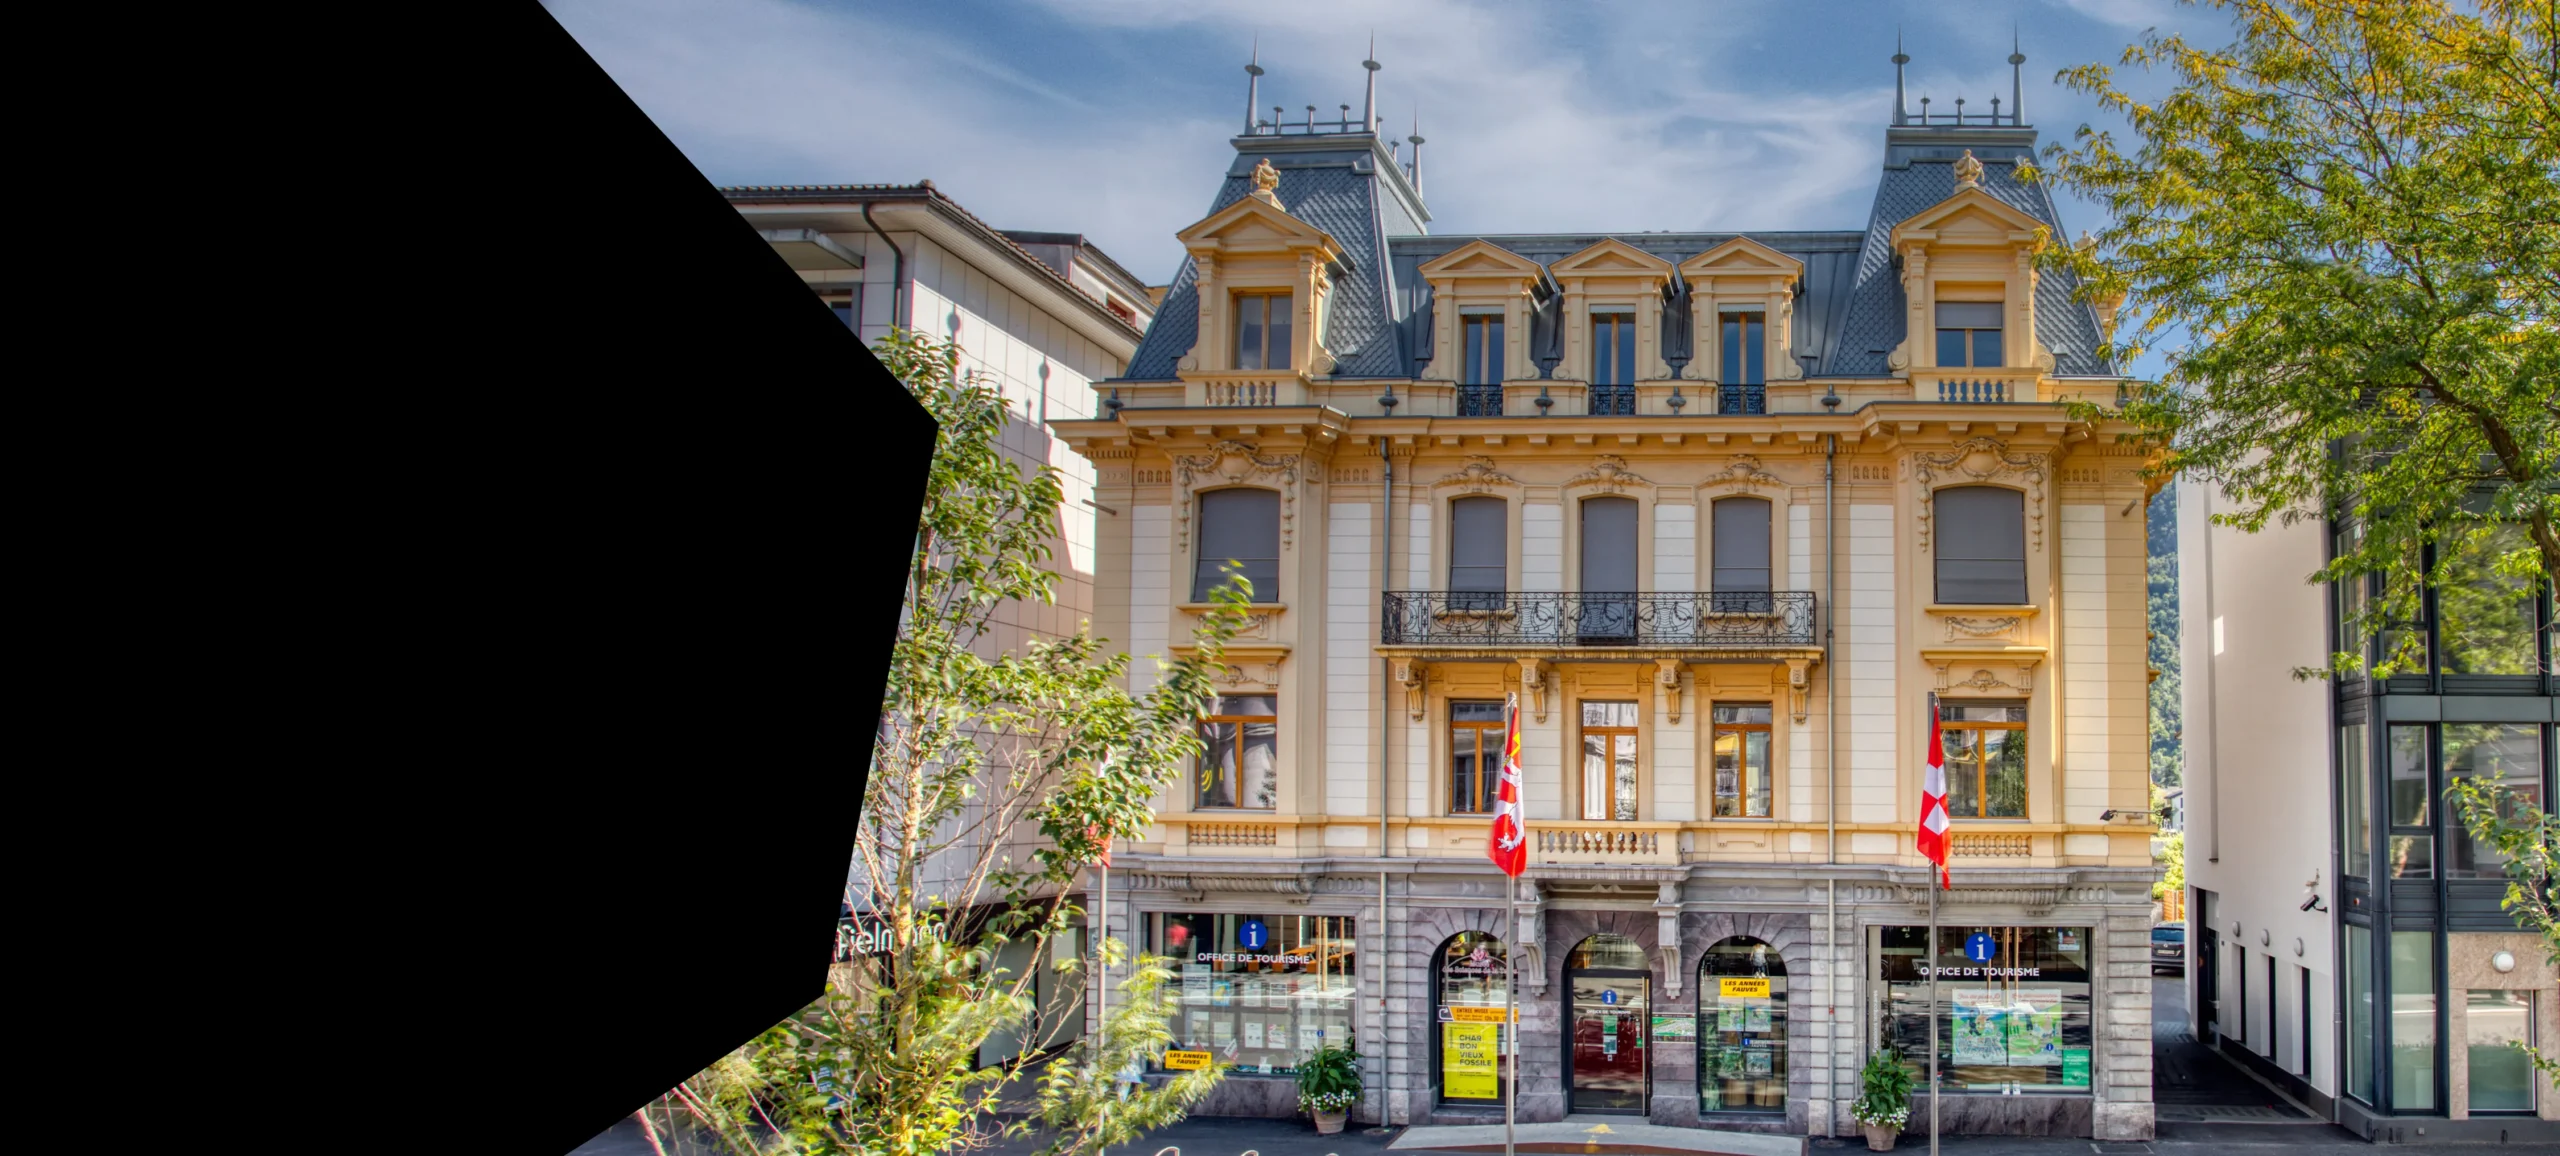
(1111, 118)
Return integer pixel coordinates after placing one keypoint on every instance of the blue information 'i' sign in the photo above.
(1978, 947)
(1608, 997)
(1253, 935)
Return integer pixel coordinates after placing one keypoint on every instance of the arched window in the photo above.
(1981, 536)
(1742, 1027)
(1242, 526)
(1467, 998)
(1479, 552)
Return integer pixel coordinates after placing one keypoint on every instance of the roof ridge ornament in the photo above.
(1266, 178)
(1968, 172)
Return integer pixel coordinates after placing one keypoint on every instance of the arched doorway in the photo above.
(1608, 991)
(1467, 1000)
(1742, 1027)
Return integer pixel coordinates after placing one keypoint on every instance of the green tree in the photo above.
(2345, 214)
(2517, 829)
(975, 751)
(2169, 852)
(1080, 1097)
(2168, 758)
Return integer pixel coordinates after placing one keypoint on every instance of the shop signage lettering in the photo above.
(1186, 1061)
(1467, 1061)
(1983, 972)
(865, 935)
(1739, 988)
(1481, 1015)
(1280, 959)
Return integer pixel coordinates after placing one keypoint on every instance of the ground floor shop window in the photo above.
(1469, 1008)
(1260, 992)
(1742, 1028)
(2013, 1005)
(2501, 1075)
(2413, 1021)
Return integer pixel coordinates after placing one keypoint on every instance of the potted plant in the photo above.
(1884, 1099)
(1328, 1085)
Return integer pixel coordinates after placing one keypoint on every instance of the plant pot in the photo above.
(1328, 1123)
(1879, 1137)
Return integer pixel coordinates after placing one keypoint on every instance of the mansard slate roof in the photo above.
(1851, 312)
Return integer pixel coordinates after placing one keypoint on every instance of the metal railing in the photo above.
(1479, 401)
(1523, 618)
(1742, 399)
(1613, 400)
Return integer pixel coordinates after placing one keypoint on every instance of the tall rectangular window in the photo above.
(1969, 334)
(2412, 840)
(2358, 1041)
(1742, 760)
(2507, 754)
(2485, 620)
(2494, 1022)
(1479, 553)
(1613, 349)
(1744, 342)
(1475, 756)
(1482, 337)
(2413, 1021)
(1262, 330)
(1985, 750)
(2355, 807)
(1240, 526)
(1981, 546)
(1609, 761)
(1740, 574)
(1239, 766)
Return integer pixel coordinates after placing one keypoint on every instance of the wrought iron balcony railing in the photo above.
(1611, 619)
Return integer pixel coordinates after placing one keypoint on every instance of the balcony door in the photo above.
(1608, 614)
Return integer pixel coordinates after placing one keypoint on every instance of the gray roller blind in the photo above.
(1243, 526)
(1969, 315)
(1478, 545)
(1981, 545)
(1609, 545)
(1742, 544)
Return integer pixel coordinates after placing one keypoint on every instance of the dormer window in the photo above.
(1262, 330)
(1613, 349)
(1969, 334)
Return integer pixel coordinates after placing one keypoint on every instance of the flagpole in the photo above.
(1510, 1025)
(1933, 971)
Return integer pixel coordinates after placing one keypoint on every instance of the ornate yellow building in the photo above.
(1724, 511)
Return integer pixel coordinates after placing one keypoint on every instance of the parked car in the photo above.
(2169, 948)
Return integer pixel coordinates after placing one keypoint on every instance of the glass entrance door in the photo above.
(1607, 1045)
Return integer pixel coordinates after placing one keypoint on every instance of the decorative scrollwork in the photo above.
(1983, 459)
(1479, 476)
(1608, 474)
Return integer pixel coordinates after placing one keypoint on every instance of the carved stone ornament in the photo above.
(1233, 463)
(1479, 477)
(1743, 473)
(1962, 626)
(1667, 676)
(1230, 674)
(1410, 675)
(1985, 682)
(1983, 460)
(1533, 678)
(1968, 172)
(1266, 179)
(1799, 685)
(1608, 474)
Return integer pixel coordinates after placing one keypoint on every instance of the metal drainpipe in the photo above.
(898, 282)
(1831, 796)
(1386, 706)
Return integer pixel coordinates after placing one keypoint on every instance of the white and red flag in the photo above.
(1509, 845)
(1933, 799)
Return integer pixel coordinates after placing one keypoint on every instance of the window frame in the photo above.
(1742, 377)
(1263, 299)
(1200, 783)
(1716, 730)
(1487, 784)
(1942, 517)
(1458, 536)
(1973, 335)
(1481, 338)
(1716, 567)
(1982, 762)
(1633, 732)
(1206, 575)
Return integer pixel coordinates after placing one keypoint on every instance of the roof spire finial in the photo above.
(1968, 172)
(1253, 87)
(1416, 138)
(2017, 80)
(1901, 107)
(1369, 110)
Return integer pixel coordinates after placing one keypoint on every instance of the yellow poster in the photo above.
(1186, 1061)
(1468, 1063)
(1735, 988)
